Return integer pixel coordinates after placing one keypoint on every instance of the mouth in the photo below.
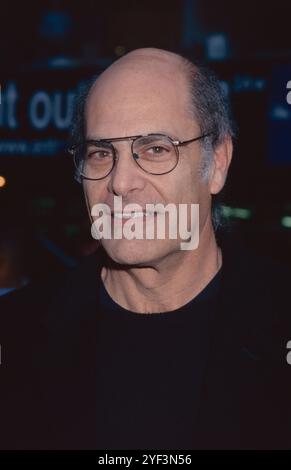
(133, 215)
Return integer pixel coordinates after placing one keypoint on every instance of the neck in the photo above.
(167, 286)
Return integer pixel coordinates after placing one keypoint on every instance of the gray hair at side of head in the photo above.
(78, 126)
(210, 108)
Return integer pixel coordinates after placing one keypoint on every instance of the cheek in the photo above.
(188, 183)
(94, 192)
(188, 190)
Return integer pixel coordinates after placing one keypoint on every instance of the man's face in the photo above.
(138, 96)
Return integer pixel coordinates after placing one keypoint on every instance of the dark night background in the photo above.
(49, 48)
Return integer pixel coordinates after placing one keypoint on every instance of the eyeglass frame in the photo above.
(133, 138)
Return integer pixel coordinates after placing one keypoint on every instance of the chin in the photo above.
(136, 252)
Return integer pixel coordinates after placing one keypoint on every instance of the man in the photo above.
(152, 346)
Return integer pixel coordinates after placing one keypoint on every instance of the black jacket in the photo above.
(47, 371)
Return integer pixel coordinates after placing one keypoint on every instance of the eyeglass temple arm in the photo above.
(184, 142)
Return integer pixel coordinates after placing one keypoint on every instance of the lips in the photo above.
(133, 214)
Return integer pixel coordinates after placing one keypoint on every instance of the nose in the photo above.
(126, 175)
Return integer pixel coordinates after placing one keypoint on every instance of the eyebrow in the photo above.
(174, 137)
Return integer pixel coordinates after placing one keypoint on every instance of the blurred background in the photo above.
(49, 48)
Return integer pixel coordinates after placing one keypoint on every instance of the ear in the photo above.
(221, 161)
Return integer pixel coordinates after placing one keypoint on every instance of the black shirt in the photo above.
(149, 372)
(211, 375)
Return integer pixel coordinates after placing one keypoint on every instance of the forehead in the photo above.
(138, 96)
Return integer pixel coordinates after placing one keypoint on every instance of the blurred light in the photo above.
(217, 47)
(56, 24)
(280, 113)
(192, 27)
(236, 212)
(119, 50)
(57, 251)
(2, 181)
(61, 62)
(241, 213)
(286, 221)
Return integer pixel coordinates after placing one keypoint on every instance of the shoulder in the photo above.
(30, 315)
(37, 297)
(35, 322)
(249, 370)
(252, 274)
(255, 299)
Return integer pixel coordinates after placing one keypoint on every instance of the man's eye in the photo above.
(100, 154)
(158, 149)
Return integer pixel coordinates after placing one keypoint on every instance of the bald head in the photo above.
(140, 85)
(149, 61)
(149, 55)
(152, 61)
